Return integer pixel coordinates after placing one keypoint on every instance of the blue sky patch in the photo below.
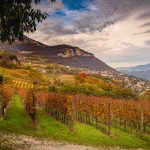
(76, 4)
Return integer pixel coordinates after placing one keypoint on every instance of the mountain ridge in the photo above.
(140, 71)
(135, 68)
(62, 54)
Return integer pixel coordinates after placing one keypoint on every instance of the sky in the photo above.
(116, 31)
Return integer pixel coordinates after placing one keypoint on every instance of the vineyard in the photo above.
(21, 84)
(102, 113)
(6, 94)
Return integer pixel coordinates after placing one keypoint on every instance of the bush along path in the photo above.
(17, 121)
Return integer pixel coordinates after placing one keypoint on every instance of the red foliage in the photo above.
(82, 76)
(7, 94)
(126, 110)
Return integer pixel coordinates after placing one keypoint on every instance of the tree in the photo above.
(18, 17)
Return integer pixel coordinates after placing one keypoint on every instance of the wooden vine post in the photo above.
(71, 112)
(34, 103)
(109, 118)
(1, 95)
(141, 123)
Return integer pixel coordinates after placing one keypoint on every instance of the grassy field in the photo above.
(17, 121)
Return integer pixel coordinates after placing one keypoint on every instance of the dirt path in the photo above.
(21, 142)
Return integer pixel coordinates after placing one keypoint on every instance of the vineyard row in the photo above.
(103, 113)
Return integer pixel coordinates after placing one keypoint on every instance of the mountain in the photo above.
(136, 68)
(141, 71)
(61, 54)
(139, 74)
(66, 59)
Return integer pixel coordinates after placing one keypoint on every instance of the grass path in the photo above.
(17, 121)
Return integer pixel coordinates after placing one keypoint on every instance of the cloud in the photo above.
(134, 56)
(104, 13)
(106, 28)
(48, 7)
(145, 32)
(144, 15)
(99, 14)
(147, 42)
(145, 25)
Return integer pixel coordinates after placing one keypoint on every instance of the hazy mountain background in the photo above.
(141, 71)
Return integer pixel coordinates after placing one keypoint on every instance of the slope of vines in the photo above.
(6, 94)
(93, 110)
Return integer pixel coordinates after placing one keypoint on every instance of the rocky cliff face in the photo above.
(73, 51)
